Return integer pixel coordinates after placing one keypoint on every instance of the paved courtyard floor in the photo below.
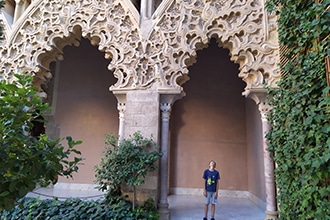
(182, 207)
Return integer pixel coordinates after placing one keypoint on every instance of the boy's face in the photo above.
(212, 165)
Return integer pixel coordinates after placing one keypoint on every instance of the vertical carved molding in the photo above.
(259, 96)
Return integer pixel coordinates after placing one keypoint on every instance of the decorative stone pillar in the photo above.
(271, 206)
(165, 119)
(165, 108)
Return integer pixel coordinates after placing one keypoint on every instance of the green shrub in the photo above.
(76, 209)
(129, 163)
(28, 160)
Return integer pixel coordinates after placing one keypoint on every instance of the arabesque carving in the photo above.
(143, 55)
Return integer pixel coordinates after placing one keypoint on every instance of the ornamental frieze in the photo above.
(144, 52)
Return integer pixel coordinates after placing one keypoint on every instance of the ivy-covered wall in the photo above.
(299, 139)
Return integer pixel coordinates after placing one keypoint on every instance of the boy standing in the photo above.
(211, 177)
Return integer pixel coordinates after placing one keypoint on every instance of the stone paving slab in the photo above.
(184, 207)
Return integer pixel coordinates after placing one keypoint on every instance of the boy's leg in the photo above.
(207, 202)
(212, 210)
(213, 202)
(206, 209)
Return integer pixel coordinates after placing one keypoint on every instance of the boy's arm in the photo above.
(204, 191)
(204, 179)
(216, 190)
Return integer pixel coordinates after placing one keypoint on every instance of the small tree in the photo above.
(129, 162)
(27, 161)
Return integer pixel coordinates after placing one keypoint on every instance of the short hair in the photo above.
(215, 163)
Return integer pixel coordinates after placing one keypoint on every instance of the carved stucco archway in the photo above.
(157, 50)
(151, 53)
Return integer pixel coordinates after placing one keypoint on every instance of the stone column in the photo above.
(259, 96)
(163, 203)
(165, 107)
(271, 206)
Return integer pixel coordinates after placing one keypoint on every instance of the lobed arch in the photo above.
(41, 33)
(155, 53)
(242, 26)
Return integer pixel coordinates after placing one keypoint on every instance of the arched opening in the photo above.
(214, 121)
(82, 105)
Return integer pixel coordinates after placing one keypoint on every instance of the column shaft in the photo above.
(163, 203)
(164, 150)
(271, 206)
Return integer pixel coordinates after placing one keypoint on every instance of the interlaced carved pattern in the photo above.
(238, 25)
(161, 59)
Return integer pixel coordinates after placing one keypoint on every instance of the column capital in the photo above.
(264, 108)
(259, 96)
(169, 98)
(120, 95)
(121, 106)
(166, 102)
(165, 109)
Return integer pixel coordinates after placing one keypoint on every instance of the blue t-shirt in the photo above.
(211, 178)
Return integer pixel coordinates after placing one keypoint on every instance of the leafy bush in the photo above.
(26, 160)
(300, 135)
(129, 163)
(76, 209)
